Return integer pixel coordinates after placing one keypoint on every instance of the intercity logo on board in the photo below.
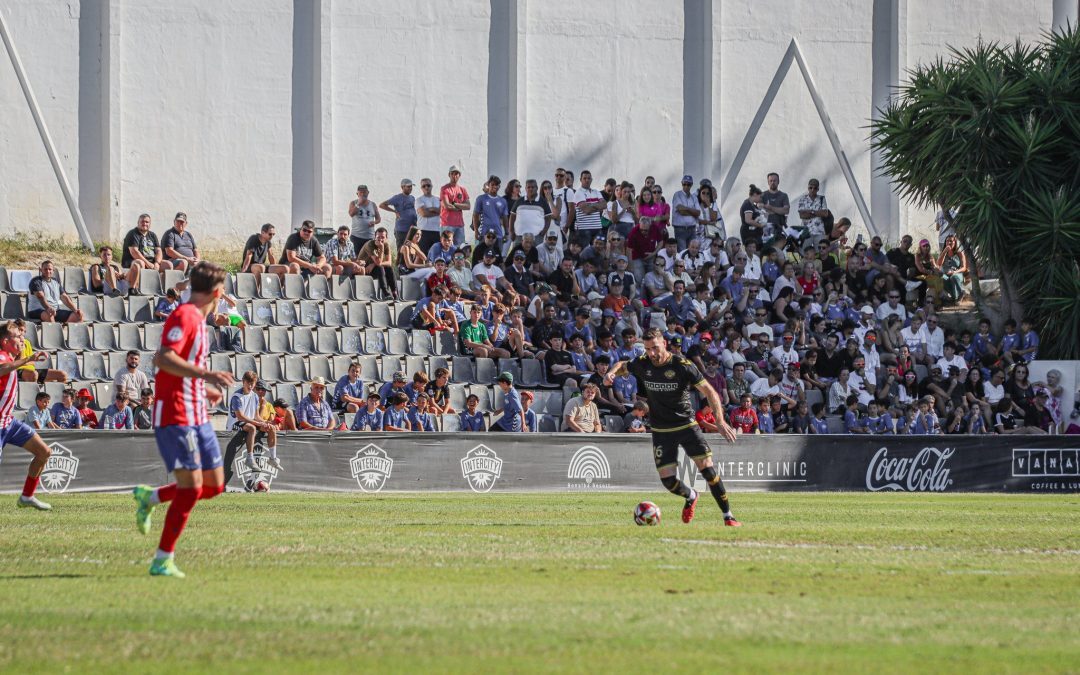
(371, 467)
(589, 469)
(263, 471)
(60, 469)
(481, 467)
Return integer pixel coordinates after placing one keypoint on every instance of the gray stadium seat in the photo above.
(318, 287)
(339, 364)
(56, 389)
(458, 394)
(69, 363)
(341, 287)
(114, 361)
(295, 368)
(333, 314)
(51, 336)
(835, 424)
(277, 340)
(369, 367)
(221, 361)
(243, 363)
(89, 306)
(245, 286)
(93, 366)
(485, 371)
(421, 343)
(356, 314)
(497, 396)
(262, 312)
(255, 339)
(293, 287)
(374, 341)
(74, 280)
(532, 373)
(270, 287)
(150, 283)
(436, 362)
(483, 393)
(463, 370)
(352, 340)
(411, 289)
(78, 336)
(613, 424)
(103, 337)
(303, 340)
(12, 306)
(146, 364)
(114, 309)
(397, 342)
(172, 278)
(32, 334)
(547, 424)
(326, 341)
(288, 393)
(391, 365)
(379, 314)
(26, 397)
(19, 280)
(449, 423)
(129, 336)
(512, 366)
(403, 312)
(286, 313)
(270, 368)
(309, 313)
(152, 336)
(364, 288)
(140, 309)
(813, 396)
(446, 344)
(4, 288)
(555, 403)
(320, 367)
(415, 364)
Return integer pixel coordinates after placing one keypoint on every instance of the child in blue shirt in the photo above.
(167, 305)
(396, 415)
(764, 415)
(471, 419)
(1010, 343)
(1029, 345)
(852, 423)
(420, 416)
(818, 423)
(369, 418)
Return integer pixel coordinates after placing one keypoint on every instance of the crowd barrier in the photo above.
(502, 462)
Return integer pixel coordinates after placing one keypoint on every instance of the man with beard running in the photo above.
(665, 380)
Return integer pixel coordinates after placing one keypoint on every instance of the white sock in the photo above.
(273, 452)
(154, 498)
(728, 516)
(162, 555)
(251, 460)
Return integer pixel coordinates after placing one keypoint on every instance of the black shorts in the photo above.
(666, 445)
(62, 315)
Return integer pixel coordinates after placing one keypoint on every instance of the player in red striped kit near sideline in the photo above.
(12, 431)
(182, 428)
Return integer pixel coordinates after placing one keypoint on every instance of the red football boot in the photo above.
(688, 509)
(731, 522)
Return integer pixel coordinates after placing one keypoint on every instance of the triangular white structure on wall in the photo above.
(794, 53)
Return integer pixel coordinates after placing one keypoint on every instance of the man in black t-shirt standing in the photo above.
(258, 256)
(664, 379)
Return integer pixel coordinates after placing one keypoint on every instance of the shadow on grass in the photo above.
(44, 576)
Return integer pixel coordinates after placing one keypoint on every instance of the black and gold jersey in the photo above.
(667, 389)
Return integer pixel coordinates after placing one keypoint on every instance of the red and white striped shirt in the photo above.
(182, 400)
(9, 390)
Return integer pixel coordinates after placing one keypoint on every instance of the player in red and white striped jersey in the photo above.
(185, 438)
(12, 431)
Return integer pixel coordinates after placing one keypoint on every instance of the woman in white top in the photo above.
(710, 222)
(914, 338)
(839, 391)
(622, 211)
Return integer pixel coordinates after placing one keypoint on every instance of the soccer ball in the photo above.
(647, 513)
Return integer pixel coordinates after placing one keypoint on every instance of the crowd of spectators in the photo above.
(790, 320)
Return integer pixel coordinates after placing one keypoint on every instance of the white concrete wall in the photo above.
(241, 113)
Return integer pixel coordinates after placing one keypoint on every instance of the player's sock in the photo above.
(211, 491)
(165, 493)
(176, 517)
(273, 452)
(677, 487)
(716, 487)
(29, 486)
(250, 459)
(162, 555)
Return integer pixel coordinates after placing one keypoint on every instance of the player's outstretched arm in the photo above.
(614, 372)
(171, 362)
(706, 390)
(8, 367)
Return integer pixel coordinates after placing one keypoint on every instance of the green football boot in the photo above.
(165, 567)
(142, 494)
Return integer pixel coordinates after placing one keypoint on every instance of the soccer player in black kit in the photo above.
(665, 380)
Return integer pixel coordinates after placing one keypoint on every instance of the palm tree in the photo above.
(994, 132)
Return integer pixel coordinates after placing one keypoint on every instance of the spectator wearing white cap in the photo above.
(403, 206)
(313, 412)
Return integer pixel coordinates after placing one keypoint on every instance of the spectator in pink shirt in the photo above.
(454, 199)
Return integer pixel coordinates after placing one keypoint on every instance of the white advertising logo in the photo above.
(481, 467)
(263, 471)
(589, 465)
(61, 468)
(371, 467)
(925, 472)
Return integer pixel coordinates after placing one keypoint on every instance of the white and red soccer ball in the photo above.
(647, 513)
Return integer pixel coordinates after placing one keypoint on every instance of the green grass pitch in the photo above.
(555, 583)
